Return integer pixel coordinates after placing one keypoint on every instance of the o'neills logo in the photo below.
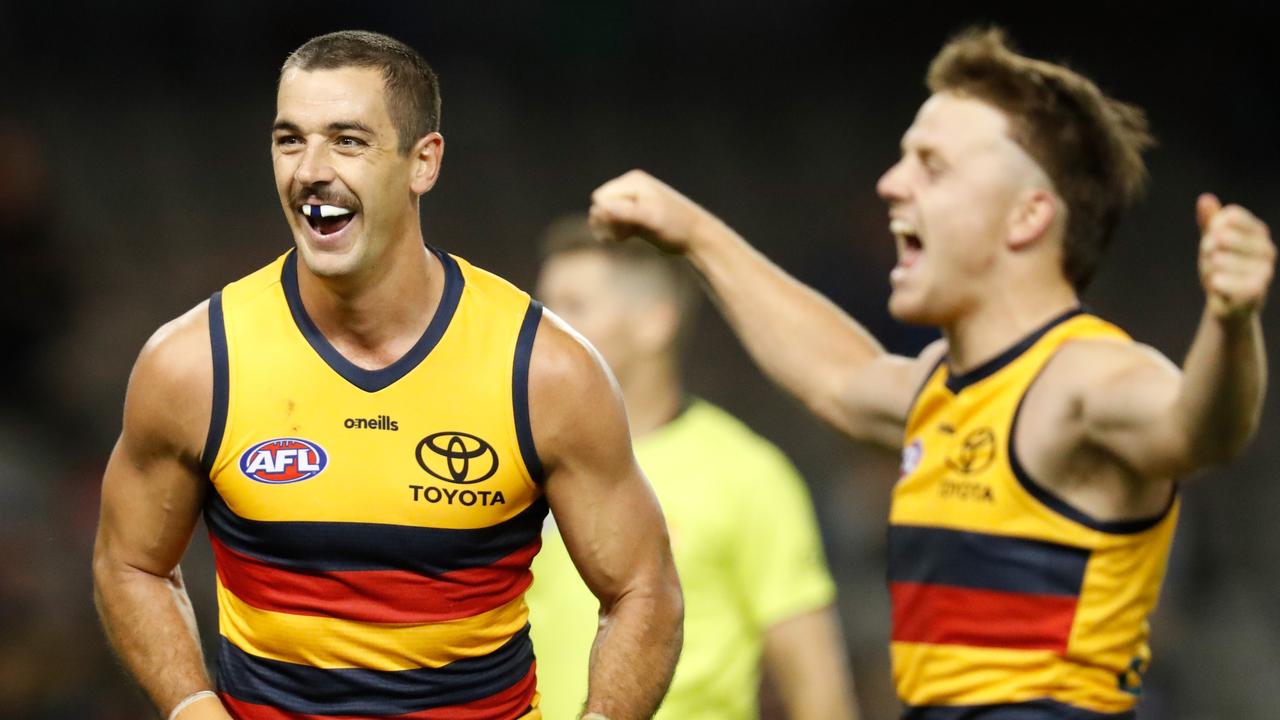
(382, 422)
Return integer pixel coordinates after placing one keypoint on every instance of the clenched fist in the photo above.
(638, 204)
(1237, 258)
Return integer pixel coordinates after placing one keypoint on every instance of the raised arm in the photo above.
(610, 520)
(798, 337)
(151, 497)
(1165, 423)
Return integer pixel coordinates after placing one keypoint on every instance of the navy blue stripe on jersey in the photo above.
(940, 556)
(1034, 710)
(371, 693)
(375, 380)
(320, 546)
(218, 416)
(520, 390)
(956, 383)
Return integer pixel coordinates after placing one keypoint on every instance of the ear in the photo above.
(426, 156)
(1033, 215)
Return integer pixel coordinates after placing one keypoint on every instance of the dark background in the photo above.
(135, 180)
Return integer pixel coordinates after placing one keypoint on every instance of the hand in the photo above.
(638, 204)
(1237, 258)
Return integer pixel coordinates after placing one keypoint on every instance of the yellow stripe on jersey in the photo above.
(332, 643)
(1001, 591)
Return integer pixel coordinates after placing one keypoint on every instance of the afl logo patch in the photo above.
(457, 457)
(283, 460)
(911, 456)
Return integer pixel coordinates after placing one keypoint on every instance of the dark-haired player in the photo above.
(375, 431)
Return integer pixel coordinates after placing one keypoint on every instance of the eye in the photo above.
(347, 141)
(285, 141)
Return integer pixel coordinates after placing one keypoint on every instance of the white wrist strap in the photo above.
(194, 697)
(593, 716)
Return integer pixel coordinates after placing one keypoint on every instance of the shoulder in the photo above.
(732, 437)
(573, 398)
(171, 386)
(1085, 362)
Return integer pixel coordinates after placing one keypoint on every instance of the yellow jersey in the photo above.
(746, 547)
(1007, 601)
(373, 529)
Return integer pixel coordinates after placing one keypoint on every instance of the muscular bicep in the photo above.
(1128, 408)
(153, 489)
(607, 514)
(877, 399)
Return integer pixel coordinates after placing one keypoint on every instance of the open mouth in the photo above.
(327, 219)
(910, 246)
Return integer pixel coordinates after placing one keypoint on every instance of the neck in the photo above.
(376, 315)
(1003, 320)
(653, 394)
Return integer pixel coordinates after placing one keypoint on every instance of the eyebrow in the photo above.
(334, 127)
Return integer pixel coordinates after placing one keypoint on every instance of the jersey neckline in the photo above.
(374, 380)
(957, 383)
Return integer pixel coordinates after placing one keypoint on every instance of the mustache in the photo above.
(326, 194)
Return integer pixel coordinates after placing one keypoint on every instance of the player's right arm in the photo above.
(802, 340)
(151, 496)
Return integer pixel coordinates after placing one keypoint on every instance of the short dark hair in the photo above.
(411, 87)
(572, 234)
(1088, 144)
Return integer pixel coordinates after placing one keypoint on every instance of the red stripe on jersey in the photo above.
(385, 596)
(509, 704)
(947, 615)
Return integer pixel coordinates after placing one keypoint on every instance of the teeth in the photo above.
(324, 211)
(901, 227)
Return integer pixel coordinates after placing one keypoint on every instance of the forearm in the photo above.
(151, 624)
(1224, 382)
(634, 655)
(807, 664)
(802, 340)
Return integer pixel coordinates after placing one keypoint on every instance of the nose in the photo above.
(314, 168)
(891, 186)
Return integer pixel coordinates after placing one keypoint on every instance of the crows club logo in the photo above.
(283, 460)
(457, 457)
(976, 453)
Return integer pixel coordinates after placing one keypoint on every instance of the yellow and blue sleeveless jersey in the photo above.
(373, 529)
(1009, 603)
(747, 549)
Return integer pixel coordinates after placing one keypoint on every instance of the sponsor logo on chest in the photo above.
(967, 456)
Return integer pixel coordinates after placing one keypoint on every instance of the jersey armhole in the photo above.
(1057, 504)
(520, 391)
(218, 414)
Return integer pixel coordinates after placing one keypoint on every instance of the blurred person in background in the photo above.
(375, 430)
(1041, 447)
(743, 533)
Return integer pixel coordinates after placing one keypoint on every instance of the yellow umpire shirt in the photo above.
(747, 549)
(372, 530)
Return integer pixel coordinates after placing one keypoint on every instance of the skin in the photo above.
(623, 311)
(372, 289)
(1108, 426)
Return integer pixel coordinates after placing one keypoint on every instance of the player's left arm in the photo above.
(610, 520)
(1166, 423)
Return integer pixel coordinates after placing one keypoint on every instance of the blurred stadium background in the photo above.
(135, 181)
